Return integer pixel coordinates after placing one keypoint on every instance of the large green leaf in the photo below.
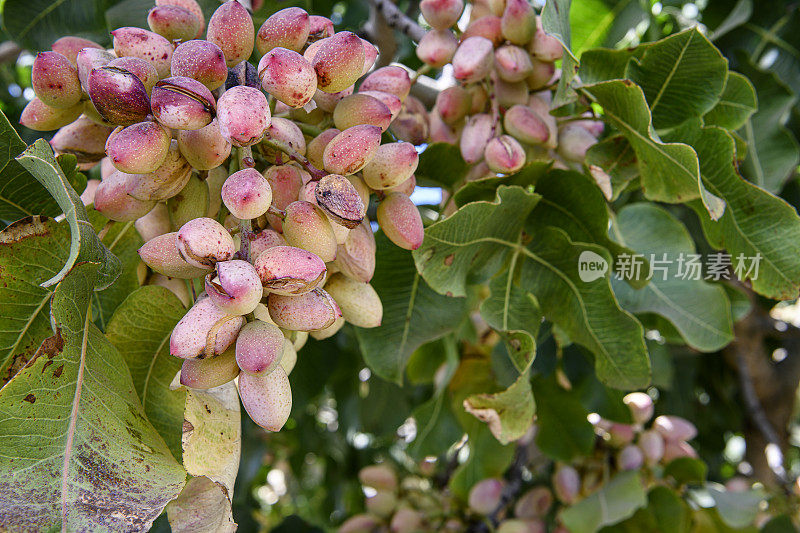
(487, 458)
(564, 433)
(737, 103)
(441, 164)
(603, 64)
(39, 160)
(36, 24)
(699, 310)
(140, 329)
(613, 157)
(666, 512)
(614, 502)
(97, 463)
(509, 413)
(413, 314)
(486, 188)
(669, 171)
(604, 22)
(556, 22)
(478, 240)
(31, 251)
(668, 73)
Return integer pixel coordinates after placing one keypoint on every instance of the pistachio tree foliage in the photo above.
(222, 304)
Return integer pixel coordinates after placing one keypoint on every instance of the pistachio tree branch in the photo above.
(398, 20)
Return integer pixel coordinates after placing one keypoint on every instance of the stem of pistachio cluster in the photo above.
(424, 69)
(294, 155)
(246, 157)
(309, 129)
(281, 214)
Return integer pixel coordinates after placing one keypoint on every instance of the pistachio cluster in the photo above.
(252, 181)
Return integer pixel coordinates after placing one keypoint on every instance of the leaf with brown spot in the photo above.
(83, 457)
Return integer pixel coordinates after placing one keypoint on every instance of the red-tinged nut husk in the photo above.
(453, 104)
(154, 224)
(392, 79)
(231, 28)
(118, 95)
(640, 405)
(319, 28)
(545, 47)
(287, 28)
(392, 102)
(477, 133)
(542, 107)
(263, 240)
(287, 76)
(370, 55)
(512, 63)
(411, 123)
(204, 331)
(518, 21)
(189, 5)
(247, 194)
(360, 304)
(112, 199)
(504, 154)
(306, 226)
(106, 168)
(356, 257)
(243, 115)
(87, 196)
(436, 48)
(489, 27)
(441, 14)
(285, 181)
(202, 61)
(351, 150)
(234, 287)
(407, 187)
(566, 484)
(406, 520)
(203, 374)
(316, 146)
(164, 182)
(182, 103)
(308, 194)
(161, 254)
(541, 74)
(55, 80)
(677, 449)
(400, 221)
(140, 68)
(340, 200)
(535, 503)
(138, 149)
(652, 445)
(473, 59)
(574, 141)
(205, 148)
(305, 312)
(360, 108)
(285, 133)
(267, 398)
(174, 23)
(674, 428)
(69, 47)
(83, 138)
(393, 164)
(202, 242)
(438, 131)
(328, 101)
(147, 45)
(525, 125)
(485, 496)
(360, 523)
(338, 61)
(259, 347)
(89, 59)
(289, 270)
(189, 203)
(330, 331)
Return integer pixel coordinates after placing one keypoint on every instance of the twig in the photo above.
(399, 20)
(509, 494)
(294, 155)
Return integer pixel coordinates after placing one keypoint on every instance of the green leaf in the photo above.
(666, 512)
(486, 189)
(668, 74)
(740, 14)
(441, 164)
(509, 414)
(487, 458)
(35, 24)
(615, 158)
(737, 509)
(564, 433)
(603, 64)
(755, 221)
(556, 22)
(140, 329)
(736, 105)
(669, 171)
(98, 464)
(38, 159)
(604, 22)
(475, 242)
(437, 428)
(614, 502)
(686, 470)
(699, 310)
(31, 250)
(413, 313)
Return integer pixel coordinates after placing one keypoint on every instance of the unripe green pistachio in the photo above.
(285, 181)
(473, 59)
(83, 138)
(509, 94)
(209, 372)
(525, 125)
(154, 224)
(204, 241)
(287, 28)
(340, 200)
(182, 103)
(243, 115)
(231, 28)
(259, 347)
(360, 187)
(496, 6)
(360, 304)
(330, 331)
(164, 182)
(436, 48)
(351, 150)
(307, 227)
(147, 45)
(515, 525)
(204, 331)
(392, 164)
(289, 359)
(174, 23)
(400, 221)
(305, 312)
(288, 76)
(113, 200)
(316, 146)
(40, 117)
(139, 148)
(359, 109)
(234, 287)
(55, 81)
(161, 254)
(485, 495)
(174, 285)
(566, 484)
(504, 155)
(392, 79)
(382, 503)
(190, 203)
(205, 148)
(338, 61)
(201, 60)
(518, 21)
(69, 47)
(214, 181)
(489, 27)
